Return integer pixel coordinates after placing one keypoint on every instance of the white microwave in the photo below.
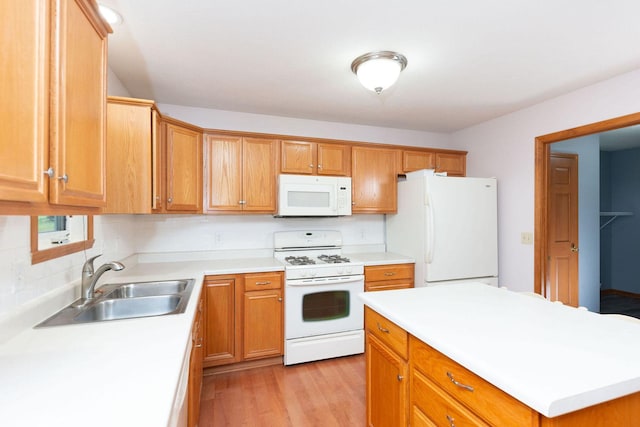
(306, 195)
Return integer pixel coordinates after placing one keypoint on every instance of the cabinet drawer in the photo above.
(483, 398)
(388, 272)
(386, 331)
(431, 402)
(262, 281)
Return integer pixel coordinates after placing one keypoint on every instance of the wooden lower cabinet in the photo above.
(386, 277)
(221, 320)
(386, 372)
(195, 367)
(244, 316)
(441, 393)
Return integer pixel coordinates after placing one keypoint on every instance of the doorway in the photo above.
(543, 143)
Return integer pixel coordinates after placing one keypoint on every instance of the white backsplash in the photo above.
(119, 236)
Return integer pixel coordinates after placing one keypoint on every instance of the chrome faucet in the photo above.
(90, 277)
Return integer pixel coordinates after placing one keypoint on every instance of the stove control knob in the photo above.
(313, 273)
(340, 272)
(303, 273)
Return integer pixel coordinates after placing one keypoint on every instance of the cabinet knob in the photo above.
(451, 421)
(400, 377)
(311, 166)
(280, 299)
(170, 200)
(319, 166)
(64, 178)
(50, 172)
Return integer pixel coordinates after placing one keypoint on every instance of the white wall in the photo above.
(231, 120)
(504, 148)
(226, 233)
(588, 150)
(115, 86)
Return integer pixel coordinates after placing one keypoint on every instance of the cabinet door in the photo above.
(259, 167)
(387, 385)
(223, 173)
(195, 368)
(158, 164)
(184, 168)
(129, 157)
(220, 322)
(453, 164)
(263, 327)
(374, 180)
(416, 160)
(78, 105)
(298, 157)
(24, 134)
(334, 159)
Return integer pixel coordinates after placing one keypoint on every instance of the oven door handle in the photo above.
(325, 281)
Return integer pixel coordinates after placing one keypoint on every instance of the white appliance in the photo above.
(449, 225)
(324, 316)
(307, 195)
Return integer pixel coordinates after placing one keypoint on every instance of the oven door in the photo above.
(323, 305)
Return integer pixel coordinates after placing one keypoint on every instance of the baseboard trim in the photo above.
(242, 366)
(620, 293)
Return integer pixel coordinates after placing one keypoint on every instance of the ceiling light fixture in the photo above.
(110, 15)
(378, 70)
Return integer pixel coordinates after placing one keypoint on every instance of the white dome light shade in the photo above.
(110, 15)
(378, 70)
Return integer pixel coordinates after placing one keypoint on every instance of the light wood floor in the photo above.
(325, 393)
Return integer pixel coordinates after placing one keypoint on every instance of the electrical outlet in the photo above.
(526, 238)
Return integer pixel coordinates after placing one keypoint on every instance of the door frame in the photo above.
(542, 150)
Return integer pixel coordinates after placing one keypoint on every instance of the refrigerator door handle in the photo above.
(430, 230)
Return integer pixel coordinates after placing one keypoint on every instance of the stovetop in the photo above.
(320, 259)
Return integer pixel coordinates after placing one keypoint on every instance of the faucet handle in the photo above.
(88, 264)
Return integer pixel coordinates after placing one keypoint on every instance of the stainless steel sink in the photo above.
(126, 301)
(145, 289)
(112, 309)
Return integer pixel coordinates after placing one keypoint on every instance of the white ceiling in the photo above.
(468, 61)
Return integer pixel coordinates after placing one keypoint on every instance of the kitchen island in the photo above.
(490, 356)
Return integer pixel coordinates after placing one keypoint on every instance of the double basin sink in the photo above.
(126, 301)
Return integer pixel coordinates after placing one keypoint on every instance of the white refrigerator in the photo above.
(449, 225)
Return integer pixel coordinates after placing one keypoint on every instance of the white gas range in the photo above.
(324, 317)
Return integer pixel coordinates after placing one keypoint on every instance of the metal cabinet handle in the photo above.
(400, 377)
(319, 166)
(280, 299)
(170, 200)
(389, 273)
(453, 380)
(311, 165)
(451, 421)
(574, 248)
(381, 329)
(263, 283)
(50, 172)
(64, 178)
(199, 344)
(242, 202)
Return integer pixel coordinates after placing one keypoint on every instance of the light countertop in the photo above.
(116, 373)
(554, 358)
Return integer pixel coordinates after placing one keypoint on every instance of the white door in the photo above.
(462, 230)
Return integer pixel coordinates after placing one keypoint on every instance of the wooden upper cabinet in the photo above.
(315, 158)
(374, 179)
(54, 103)
(452, 163)
(240, 174)
(78, 105)
(183, 151)
(416, 160)
(131, 147)
(24, 134)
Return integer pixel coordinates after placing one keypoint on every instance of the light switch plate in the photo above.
(526, 238)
